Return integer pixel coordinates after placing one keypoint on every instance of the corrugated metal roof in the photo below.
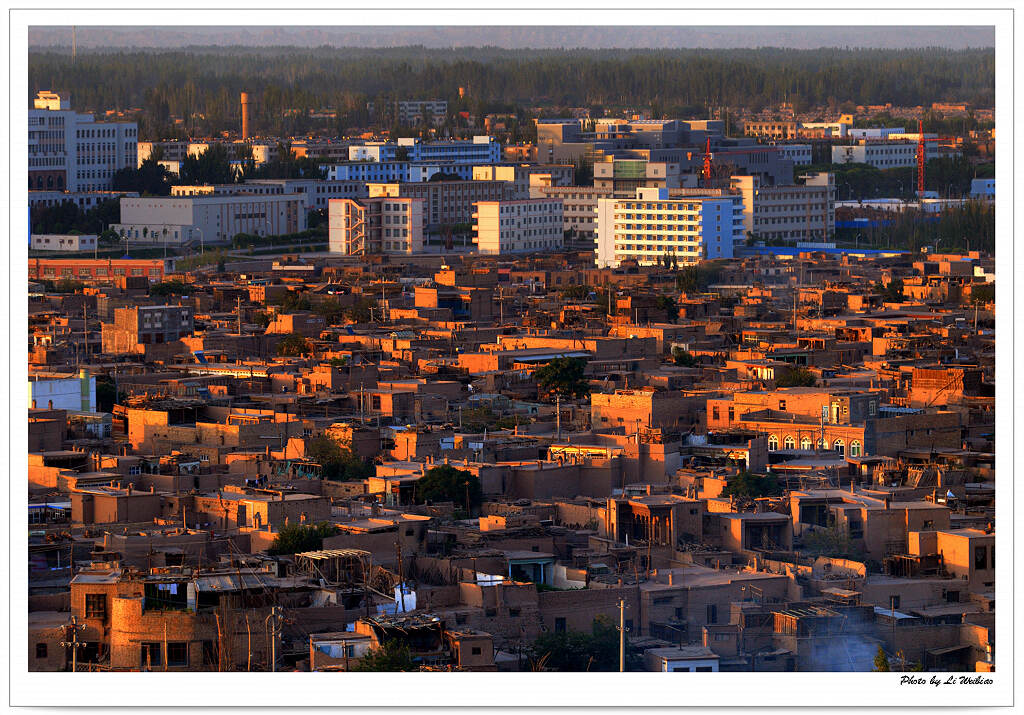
(230, 582)
(333, 553)
(94, 577)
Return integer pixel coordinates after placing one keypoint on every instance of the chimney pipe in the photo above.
(245, 115)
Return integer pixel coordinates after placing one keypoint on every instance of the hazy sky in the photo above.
(540, 36)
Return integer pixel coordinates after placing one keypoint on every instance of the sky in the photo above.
(513, 37)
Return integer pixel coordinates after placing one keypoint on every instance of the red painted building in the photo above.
(104, 270)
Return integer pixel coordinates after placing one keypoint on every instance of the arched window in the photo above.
(822, 444)
(839, 446)
(773, 443)
(789, 442)
(855, 448)
(805, 442)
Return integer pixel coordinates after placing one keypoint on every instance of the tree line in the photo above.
(971, 226)
(288, 85)
(950, 176)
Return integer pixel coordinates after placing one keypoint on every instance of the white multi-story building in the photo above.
(799, 153)
(57, 242)
(651, 227)
(874, 132)
(521, 226)
(314, 193)
(879, 154)
(63, 391)
(210, 218)
(413, 112)
(84, 200)
(68, 151)
(378, 225)
(448, 202)
(365, 171)
(481, 149)
(983, 188)
(579, 210)
(933, 149)
(804, 212)
(526, 176)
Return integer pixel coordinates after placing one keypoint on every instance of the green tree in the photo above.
(695, 278)
(683, 358)
(294, 301)
(298, 538)
(795, 377)
(106, 393)
(832, 541)
(172, 287)
(285, 166)
(391, 657)
(446, 483)
(881, 661)
(577, 651)
(668, 304)
(575, 292)
(212, 166)
(67, 285)
(150, 179)
(983, 293)
(330, 310)
(563, 377)
(360, 311)
(339, 463)
(891, 292)
(294, 345)
(753, 486)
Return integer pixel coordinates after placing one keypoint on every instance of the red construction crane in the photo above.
(920, 154)
(706, 172)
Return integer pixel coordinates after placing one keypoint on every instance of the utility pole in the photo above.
(248, 644)
(401, 567)
(220, 643)
(558, 416)
(85, 330)
(238, 311)
(74, 643)
(622, 635)
(650, 538)
(275, 620)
